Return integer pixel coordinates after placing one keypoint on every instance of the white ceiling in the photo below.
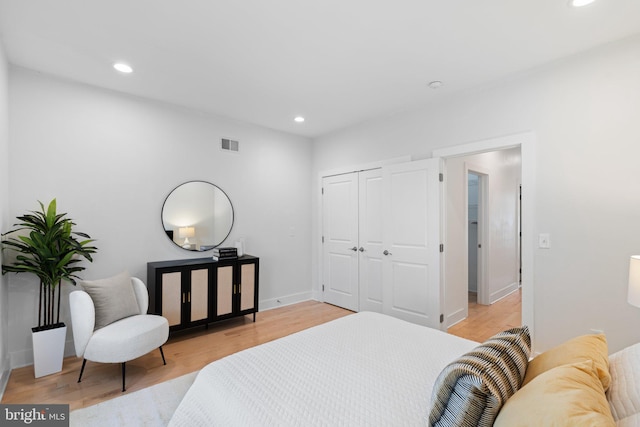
(336, 62)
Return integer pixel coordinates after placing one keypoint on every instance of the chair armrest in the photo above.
(142, 294)
(83, 319)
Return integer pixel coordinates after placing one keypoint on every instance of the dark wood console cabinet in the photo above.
(195, 292)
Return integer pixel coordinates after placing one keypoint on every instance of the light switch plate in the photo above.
(544, 240)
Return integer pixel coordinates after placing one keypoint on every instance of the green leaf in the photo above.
(51, 213)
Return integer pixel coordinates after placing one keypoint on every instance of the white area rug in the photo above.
(150, 407)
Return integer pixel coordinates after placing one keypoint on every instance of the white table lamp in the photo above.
(634, 281)
(185, 233)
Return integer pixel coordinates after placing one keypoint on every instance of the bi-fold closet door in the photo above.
(352, 240)
(381, 241)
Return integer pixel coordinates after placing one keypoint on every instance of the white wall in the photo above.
(110, 160)
(4, 215)
(501, 243)
(584, 112)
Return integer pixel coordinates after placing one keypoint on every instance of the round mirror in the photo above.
(197, 216)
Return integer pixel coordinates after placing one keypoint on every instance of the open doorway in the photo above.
(482, 259)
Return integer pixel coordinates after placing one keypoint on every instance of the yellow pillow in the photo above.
(586, 347)
(569, 395)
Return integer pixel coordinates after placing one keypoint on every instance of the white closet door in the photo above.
(340, 233)
(411, 266)
(370, 237)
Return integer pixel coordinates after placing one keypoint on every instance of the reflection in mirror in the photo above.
(197, 216)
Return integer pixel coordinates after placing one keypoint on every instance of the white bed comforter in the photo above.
(363, 369)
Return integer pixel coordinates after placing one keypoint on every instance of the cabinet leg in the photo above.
(254, 317)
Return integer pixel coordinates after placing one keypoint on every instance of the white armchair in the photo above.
(121, 341)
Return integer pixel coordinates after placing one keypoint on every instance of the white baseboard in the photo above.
(5, 371)
(272, 303)
(507, 290)
(21, 358)
(455, 317)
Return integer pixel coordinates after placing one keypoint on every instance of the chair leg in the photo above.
(123, 370)
(84, 362)
(162, 353)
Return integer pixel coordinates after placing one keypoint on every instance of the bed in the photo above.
(375, 370)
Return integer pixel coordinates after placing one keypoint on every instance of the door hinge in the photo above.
(442, 318)
(322, 190)
(441, 247)
(322, 239)
(441, 177)
(322, 288)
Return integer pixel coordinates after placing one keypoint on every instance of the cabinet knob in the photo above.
(386, 252)
(361, 249)
(354, 249)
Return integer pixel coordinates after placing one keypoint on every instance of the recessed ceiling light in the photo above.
(122, 67)
(580, 3)
(435, 84)
(299, 119)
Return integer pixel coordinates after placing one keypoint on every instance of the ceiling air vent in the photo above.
(229, 145)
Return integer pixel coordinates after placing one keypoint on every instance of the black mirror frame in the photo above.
(209, 247)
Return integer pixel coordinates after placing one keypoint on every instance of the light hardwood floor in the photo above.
(190, 351)
(484, 321)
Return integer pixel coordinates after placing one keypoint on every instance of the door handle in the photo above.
(354, 249)
(361, 249)
(386, 252)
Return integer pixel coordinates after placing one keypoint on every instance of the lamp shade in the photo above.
(186, 232)
(634, 281)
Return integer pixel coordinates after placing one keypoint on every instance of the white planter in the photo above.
(48, 350)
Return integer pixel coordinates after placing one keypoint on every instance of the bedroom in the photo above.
(582, 109)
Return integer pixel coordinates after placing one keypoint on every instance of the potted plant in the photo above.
(46, 245)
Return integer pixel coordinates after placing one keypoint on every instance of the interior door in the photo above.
(340, 240)
(411, 241)
(370, 238)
